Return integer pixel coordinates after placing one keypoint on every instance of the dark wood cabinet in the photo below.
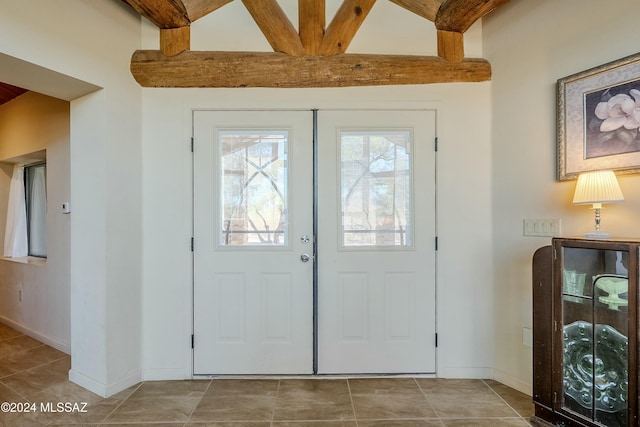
(585, 333)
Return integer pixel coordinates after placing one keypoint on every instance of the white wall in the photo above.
(465, 285)
(31, 123)
(531, 44)
(68, 49)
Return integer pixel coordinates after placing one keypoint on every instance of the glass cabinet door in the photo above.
(595, 322)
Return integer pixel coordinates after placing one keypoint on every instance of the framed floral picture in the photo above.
(598, 116)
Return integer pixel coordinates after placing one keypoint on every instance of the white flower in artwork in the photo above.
(620, 111)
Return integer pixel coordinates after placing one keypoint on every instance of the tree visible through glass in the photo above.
(375, 178)
(253, 187)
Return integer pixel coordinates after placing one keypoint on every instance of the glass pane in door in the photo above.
(376, 187)
(253, 187)
(595, 330)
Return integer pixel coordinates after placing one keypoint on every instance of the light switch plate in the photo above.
(542, 227)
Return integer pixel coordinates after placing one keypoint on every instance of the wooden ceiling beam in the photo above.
(276, 27)
(451, 45)
(163, 13)
(344, 25)
(311, 23)
(459, 15)
(279, 70)
(196, 9)
(426, 8)
(175, 40)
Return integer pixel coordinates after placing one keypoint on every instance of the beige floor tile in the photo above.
(229, 424)
(315, 424)
(313, 399)
(401, 423)
(238, 400)
(479, 399)
(30, 371)
(18, 419)
(454, 387)
(81, 405)
(8, 332)
(486, 422)
(36, 380)
(27, 359)
(522, 403)
(8, 395)
(126, 393)
(378, 399)
(159, 401)
(22, 420)
(143, 425)
(464, 409)
(156, 409)
(17, 344)
(177, 389)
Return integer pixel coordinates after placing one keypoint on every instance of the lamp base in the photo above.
(597, 234)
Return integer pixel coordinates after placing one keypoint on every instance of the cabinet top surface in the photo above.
(635, 240)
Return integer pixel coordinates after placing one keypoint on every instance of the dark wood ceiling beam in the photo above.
(344, 25)
(196, 9)
(275, 25)
(459, 15)
(163, 13)
(425, 8)
(9, 92)
(311, 23)
(279, 70)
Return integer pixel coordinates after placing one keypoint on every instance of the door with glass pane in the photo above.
(595, 310)
(253, 215)
(376, 251)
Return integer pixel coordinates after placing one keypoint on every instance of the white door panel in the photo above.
(253, 194)
(376, 255)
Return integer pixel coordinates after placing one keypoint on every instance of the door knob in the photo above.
(304, 257)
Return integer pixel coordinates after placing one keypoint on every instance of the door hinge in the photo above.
(192, 244)
(192, 340)
(435, 144)
(436, 242)
(436, 340)
(192, 144)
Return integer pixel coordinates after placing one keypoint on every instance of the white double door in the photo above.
(275, 293)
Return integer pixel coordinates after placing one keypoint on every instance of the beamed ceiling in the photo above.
(8, 92)
(311, 54)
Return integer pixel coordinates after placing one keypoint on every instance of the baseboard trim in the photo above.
(513, 382)
(52, 342)
(101, 389)
(89, 383)
(132, 379)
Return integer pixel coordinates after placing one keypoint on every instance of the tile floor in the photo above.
(33, 373)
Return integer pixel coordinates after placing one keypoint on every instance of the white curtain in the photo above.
(38, 211)
(15, 237)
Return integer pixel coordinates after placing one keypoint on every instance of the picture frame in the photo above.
(598, 119)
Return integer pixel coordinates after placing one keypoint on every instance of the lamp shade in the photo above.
(597, 187)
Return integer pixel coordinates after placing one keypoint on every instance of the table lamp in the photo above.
(596, 188)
